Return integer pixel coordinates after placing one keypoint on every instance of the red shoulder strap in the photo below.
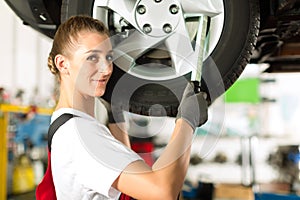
(46, 190)
(125, 197)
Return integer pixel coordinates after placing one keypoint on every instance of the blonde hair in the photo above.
(68, 33)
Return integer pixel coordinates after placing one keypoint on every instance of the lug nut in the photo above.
(141, 9)
(147, 28)
(174, 9)
(167, 28)
(157, 1)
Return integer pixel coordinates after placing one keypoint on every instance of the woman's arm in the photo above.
(165, 179)
(116, 121)
(118, 131)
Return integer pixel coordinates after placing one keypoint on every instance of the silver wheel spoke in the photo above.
(125, 8)
(181, 50)
(209, 8)
(133, 47)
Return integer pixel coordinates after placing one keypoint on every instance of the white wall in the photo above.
(23, 55)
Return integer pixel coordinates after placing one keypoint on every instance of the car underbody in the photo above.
(278, 42)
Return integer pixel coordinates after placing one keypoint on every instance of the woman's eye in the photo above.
(93, 58)
(109, 58)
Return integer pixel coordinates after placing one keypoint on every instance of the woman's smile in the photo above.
(100, 82)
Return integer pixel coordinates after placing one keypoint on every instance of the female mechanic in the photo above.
(91, 161)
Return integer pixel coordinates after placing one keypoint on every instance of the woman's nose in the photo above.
(104, 67)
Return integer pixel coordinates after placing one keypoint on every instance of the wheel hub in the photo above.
(158, 18)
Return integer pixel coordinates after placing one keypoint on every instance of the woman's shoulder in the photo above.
(79, 121)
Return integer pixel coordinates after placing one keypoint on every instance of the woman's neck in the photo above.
(75, 100)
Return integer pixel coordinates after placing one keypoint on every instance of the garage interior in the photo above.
(248, 150)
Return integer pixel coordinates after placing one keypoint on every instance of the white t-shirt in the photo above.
(86, 159)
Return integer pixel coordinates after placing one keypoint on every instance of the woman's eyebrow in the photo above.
(97, 51)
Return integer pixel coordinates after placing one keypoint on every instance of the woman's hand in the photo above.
(193, 107)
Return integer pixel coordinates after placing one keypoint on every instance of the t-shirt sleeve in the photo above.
(101, 157)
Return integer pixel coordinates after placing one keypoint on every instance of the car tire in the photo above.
(220, 70)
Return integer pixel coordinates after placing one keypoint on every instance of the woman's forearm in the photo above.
(173, 163)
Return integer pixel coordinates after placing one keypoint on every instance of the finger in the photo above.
(189, 90)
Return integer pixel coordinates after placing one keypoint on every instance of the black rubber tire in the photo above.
(220, 70)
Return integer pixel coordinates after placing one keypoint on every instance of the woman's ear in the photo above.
(62, 64)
